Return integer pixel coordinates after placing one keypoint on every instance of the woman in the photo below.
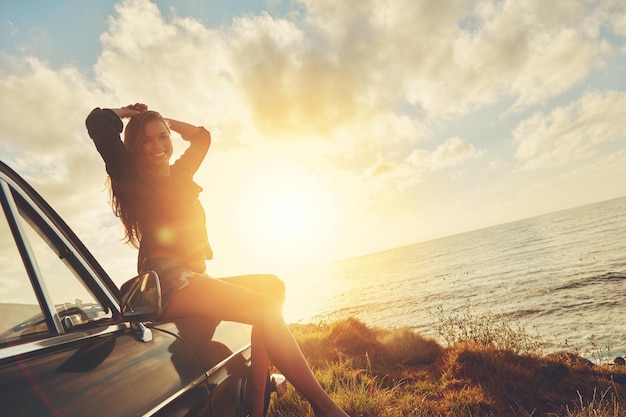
(162, 216)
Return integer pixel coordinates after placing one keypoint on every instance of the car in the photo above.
(73, 344)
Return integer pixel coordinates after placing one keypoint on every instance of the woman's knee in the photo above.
(273, 286)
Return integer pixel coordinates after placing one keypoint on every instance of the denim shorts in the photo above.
(173, 276)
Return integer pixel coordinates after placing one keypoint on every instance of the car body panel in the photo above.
(100, 373)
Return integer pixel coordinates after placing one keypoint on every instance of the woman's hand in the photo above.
(189, 132)
(138, 107)
(130, 110)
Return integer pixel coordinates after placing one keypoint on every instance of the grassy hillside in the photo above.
(487, 368)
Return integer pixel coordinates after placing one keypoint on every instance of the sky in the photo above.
(339, 128)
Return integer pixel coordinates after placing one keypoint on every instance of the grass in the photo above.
(488, 367)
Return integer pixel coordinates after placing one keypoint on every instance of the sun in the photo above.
(288, 221)
(285, 216)
(287, 212)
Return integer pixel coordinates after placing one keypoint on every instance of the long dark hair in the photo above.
(125, 197)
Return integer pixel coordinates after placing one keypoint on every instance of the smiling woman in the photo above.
(150, 195)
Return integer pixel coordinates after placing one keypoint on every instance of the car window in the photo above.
(23, 316)
(73, 300)
(20, 313)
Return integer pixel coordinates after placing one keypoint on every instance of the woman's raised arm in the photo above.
(189, 132)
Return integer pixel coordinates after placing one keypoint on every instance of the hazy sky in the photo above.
(339, 127)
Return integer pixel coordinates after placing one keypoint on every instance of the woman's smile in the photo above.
(159, 155)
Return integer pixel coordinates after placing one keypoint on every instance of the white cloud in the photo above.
(383, 179)
(572, 132)
(343, 64)
(352, 89)
(176, 66)
(290, 89)
(455, 56)
(452, 152)
(43, 135)
(40, 106)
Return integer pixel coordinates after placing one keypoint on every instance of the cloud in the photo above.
(43, 134)
(571, 133)
(524, 51)
(452, 152)
(452, 57)
(352, 90)
(337, 67)
(39, 104)
(291, 89)
(177, 66)
(383, 179)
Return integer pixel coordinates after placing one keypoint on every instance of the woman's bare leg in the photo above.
(270, 286)
(226, 301)
(255, 391)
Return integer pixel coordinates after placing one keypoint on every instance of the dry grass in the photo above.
(398, 373)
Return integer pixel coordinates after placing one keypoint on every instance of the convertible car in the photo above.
(73, 344)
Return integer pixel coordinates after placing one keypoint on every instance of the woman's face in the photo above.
(156, 145)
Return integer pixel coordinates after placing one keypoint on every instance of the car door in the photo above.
(64, 348)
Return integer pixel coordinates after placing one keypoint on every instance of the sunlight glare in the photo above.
(287, 216)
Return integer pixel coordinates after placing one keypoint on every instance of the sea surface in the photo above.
(562, 276)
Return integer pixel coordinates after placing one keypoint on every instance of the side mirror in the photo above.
(140, 298)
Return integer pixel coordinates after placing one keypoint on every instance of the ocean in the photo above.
(562, 276)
